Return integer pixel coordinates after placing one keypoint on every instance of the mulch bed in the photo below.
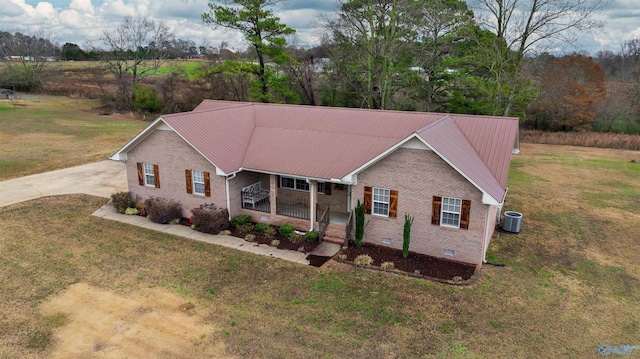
(285, 243)
(415, 263)
(317, 261)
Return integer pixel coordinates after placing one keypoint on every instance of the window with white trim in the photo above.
(294, 183)
(450, 213)
(321, 187)
(149, 177)
(198, 182)
(381, 201)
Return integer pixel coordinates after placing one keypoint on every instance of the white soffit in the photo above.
(415, 144)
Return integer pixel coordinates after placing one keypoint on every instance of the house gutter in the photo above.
(486, 238)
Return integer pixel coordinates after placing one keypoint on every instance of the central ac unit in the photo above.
(512, 222)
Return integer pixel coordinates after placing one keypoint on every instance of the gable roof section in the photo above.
(321, 142)
(331, 143)
(207, 105)
(222, 136)
(447, 140)
(492, 138)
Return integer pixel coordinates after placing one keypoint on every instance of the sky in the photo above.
(84, 21)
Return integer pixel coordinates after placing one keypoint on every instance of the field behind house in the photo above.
(570, 284)
(57, 132)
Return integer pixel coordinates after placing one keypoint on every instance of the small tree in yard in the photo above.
(408, 221)
(359, 224)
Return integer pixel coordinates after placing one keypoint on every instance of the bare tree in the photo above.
(525, 25)
(441, 28)
(28, 56)
(371, 42)
(135, 49)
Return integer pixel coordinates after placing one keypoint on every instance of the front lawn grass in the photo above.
(58, 132)
(570, 284)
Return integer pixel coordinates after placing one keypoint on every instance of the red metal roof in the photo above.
(329, 143)
(450, 143)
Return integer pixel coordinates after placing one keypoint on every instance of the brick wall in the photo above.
(337, 199)
(173, 156)
(418, 175)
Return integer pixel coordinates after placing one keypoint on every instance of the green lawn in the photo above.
(186, 69)
(570, 284)
(58, 132)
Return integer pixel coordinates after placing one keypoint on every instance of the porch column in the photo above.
(273, 193)
(313, 199)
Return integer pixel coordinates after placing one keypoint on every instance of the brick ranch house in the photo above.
(309, 166)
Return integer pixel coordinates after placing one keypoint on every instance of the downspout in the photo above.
(312, 207)
(486, 234)
(227, 188)
(486, 238)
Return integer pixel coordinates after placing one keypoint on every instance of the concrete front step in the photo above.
(335, 231)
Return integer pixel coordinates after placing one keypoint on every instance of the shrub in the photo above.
(311, 237)
(209, 219)
(359, 224)
(240, 220)
(122, 200)
(270, 232)
(286, 230)
(131, 211)
(162, 210)
(250, 237)
(296, 238)
(261, 227)
(363, 260)
(387, 265)
(274, 243)
(142, 209)
(408, 221)
(145, 98)
(244, 229)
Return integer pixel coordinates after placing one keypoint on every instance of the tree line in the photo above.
(477, 57)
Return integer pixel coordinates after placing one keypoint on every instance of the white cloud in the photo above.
(44, 10)
(13, 8)
(82, 6)
(118, 8)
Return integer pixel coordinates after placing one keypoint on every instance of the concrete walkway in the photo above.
(107, 177)
(325, 249)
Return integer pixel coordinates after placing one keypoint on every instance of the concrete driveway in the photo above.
(99, 179)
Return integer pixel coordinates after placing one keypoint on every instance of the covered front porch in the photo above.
(305, 203)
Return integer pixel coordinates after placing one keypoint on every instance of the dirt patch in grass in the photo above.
(153, 323)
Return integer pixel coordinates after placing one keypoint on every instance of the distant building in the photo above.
(6, 94)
